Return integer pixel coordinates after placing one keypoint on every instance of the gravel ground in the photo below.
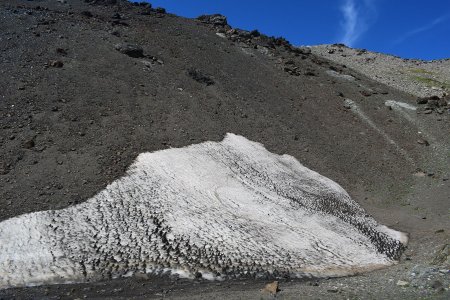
(417, 77)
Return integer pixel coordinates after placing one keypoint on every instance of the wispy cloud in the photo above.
(424, 28)
(350, 20)
(357, 18)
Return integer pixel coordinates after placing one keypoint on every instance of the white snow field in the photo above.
(222, 209)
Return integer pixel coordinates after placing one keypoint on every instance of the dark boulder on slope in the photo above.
(216, 19)
(198, 76)
(131, 50)
(102, 2)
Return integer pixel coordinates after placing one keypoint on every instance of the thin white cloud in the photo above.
(424, 28)
(357, 18)
(350, 18)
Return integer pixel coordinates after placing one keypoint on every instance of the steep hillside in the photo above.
(416, 77)
(86, 86)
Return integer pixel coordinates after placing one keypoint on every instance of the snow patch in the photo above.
(340, 75)
(222, 209)
(398, 104)
(397, 235)
(222, 35)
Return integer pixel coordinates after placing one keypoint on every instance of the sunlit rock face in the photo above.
(222, 209)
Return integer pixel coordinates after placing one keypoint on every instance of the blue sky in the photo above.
(410, 29)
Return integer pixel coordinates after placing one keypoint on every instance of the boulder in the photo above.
(29, 144)
(131, 50)
(160, 10)
(102, 2)
(424, 100)
(216, 19)
(56, 64)
(198, 76)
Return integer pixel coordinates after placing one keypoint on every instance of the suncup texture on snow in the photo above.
(222, 209)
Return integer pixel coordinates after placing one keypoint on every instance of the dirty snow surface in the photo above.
(219, 209)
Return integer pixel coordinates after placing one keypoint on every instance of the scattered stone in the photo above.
(303, 50)
(339, 75)
(289, 62)
(402, 283)
(255, 33)
(432, 103)
(442, 102)
(442, 256)
(119, 23)
(56, 64)
(216, 19)
(366, 93)
(361, 51)
(87, 14)
(271, 288)
(160, 10)
(198, 76)
(61, 51)
(131, 50)
(423, 142)
(102, 2)
(422, 100)
(116, 16)
(29, 144)
(243, 33)
(115, 33)
(292, 70)
(348, 104)
(222, 35)
(147, 11)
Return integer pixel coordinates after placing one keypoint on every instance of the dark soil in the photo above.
(75, 112)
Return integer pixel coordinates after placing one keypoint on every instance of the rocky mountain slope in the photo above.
(86, 86)
(416, 77)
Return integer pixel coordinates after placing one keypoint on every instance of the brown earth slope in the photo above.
(77, 106)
